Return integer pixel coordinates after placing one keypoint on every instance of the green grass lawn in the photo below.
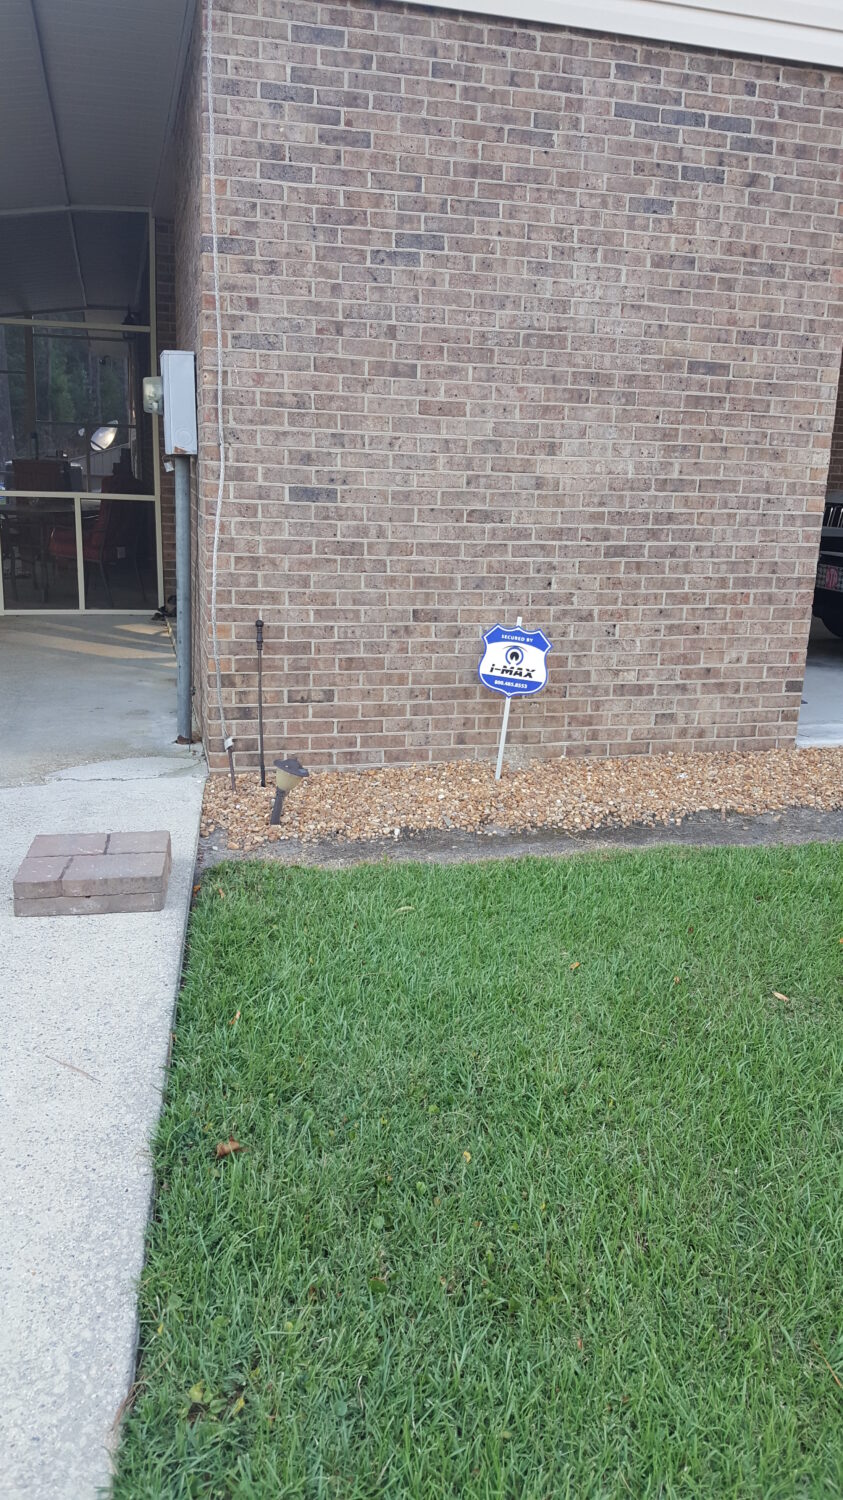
(541, 1193)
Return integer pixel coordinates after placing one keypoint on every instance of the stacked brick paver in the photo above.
(93, 874)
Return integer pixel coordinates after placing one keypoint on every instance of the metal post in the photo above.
(183, 654)
(504, 727)
(259, 642)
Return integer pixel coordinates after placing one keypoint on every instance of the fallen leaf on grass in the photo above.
(228, 1148)
(575, 966)
(235, 1017)
(834, 1374)
(777, 995)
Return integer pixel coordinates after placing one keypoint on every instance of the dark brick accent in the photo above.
(314, 494)
(692, 117)
(716, 367)
(651, 205)
(735, 124)
(702, 174)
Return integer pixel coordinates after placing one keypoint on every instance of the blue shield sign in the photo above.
(515, 661)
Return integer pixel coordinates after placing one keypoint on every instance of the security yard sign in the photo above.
(514, 663)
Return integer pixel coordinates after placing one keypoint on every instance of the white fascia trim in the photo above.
(807, 32)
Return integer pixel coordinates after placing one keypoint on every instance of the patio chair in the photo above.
(27, 522)
(8, 552)
(108, 538)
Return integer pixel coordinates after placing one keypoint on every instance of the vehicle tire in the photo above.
(828, 607)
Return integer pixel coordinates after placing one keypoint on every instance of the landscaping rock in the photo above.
(571, 795)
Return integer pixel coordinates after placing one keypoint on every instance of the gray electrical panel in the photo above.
(178, 373)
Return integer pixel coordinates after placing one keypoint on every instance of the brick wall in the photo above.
(516, 320)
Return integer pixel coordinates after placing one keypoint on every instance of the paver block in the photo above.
(67, 844)
(40, 877)
(91, 874)
(138, 843)
(88, 906)
(115, 874)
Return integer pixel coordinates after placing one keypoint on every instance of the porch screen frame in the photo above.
(41, 325)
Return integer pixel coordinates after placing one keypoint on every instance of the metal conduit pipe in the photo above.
(183, 604)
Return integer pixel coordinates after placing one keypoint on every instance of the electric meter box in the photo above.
(178, 373)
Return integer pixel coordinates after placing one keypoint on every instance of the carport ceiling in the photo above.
(90, 264)
(86, 104)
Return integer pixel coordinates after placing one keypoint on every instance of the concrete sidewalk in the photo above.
(87, 1011)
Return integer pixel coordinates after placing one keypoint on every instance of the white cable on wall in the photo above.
(227, 739)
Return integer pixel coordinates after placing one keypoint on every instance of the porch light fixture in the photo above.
(104, 436)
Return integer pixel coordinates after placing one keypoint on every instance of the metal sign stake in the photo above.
(504, 726)
(499, 765)
(259, 643)
(514, 664)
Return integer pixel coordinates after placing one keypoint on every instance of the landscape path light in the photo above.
(288, 773)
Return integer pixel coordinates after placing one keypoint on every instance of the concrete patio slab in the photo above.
(87, 1012)
(112, 685)
(821, 714)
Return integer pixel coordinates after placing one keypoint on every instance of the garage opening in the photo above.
(821, 713)
(79, 465)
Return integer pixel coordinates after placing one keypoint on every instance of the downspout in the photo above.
(183, 606)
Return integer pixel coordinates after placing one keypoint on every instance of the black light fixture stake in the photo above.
(259, 642)
(287, 773)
